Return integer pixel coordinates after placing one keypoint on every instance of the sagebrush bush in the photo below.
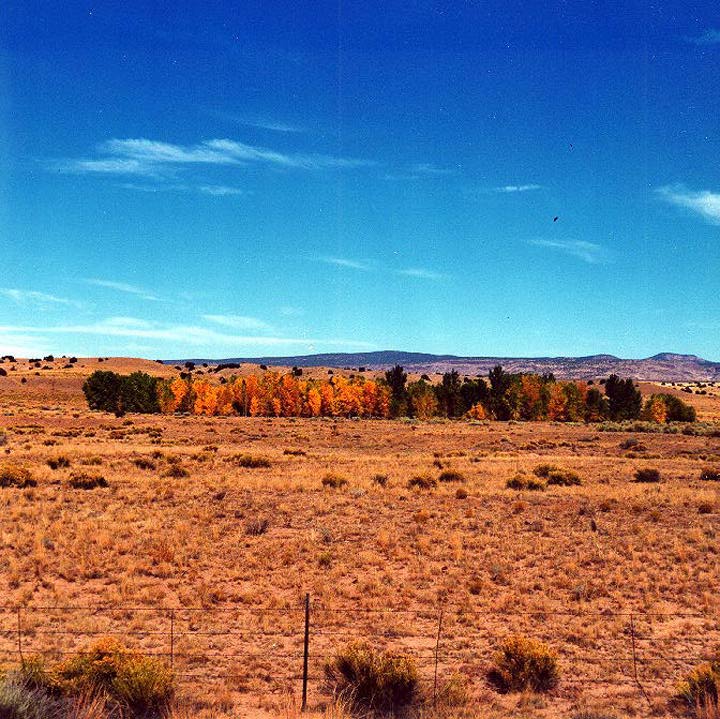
(372, 679)
(450, 475)
(19, 701)
(380, 479)
(422, 481)
(524, 664)
(141, 685)
(543, 470)
(15, 475)
(334, 481)
(58, 462)
(710, 475)
(175, 471)
(701, 687)
(81, 480)
(563, 478)
(647, 474)
(249, 461)
(525, 481)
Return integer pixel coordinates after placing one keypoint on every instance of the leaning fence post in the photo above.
(634, 659)
(19, 631)
(306, 653)
(437, 654)
(172, 639)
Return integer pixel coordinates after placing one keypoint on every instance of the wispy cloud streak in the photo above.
(589, 252)
(704, 202)
(152, 158)
(25, 297)
(344, 262)
(124, 287)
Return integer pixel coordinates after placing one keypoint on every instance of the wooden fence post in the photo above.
(306, 653)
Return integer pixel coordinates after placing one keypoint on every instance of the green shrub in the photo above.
(450, 475)
(249, 461)
(422, 481)
(140, 685)
(647, 475)
(81, 480)
(334, 481)
(525, 481)
(371, 679)
(564, 478)
(15, 475)
(524, 664)
(710, 475)
(701, 688)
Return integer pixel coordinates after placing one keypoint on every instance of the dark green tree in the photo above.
(624, 398)
(396, 379)
(449, 395)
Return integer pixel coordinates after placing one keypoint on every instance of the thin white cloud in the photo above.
(589, 252)
(344, 262)
(421, 273)
(153, 158)
(291, 311)
(182, 335)
(25, 297)
(506, 189)
(262, 123)
(419, 171)
(220, 190)
(704, 202)
(711, 36)
(238, 322)
(124, 287)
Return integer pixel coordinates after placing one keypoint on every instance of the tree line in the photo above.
(502, 396)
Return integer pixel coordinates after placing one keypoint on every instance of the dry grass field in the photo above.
(190, 548)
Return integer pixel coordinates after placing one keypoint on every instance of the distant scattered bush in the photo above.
(543, 470)
(380, 479)
(710, 475)
(249, 461)
(450, 475)
(422, 481)
(524, 664)
(58, 462)
(521, 480)
(176, 471)
(256, 527)
(647, 475)
(563, 478)
(15, 475)
(371, 679)
(80, 480)
(334, 481)
(143, 463)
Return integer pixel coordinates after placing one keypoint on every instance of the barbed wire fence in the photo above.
(265, 649)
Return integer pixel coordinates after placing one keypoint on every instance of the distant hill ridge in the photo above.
(667, 366)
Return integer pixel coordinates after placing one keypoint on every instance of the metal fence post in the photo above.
(437, 653)
(19, 631)
(306, 653)
(172, 639)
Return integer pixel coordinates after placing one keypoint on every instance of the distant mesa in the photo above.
(666, 366)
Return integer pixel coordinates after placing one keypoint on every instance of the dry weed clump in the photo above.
(15, 475)
(60, 462)
(371, 679)
(521, 480)
(175, 471)
(422, 481)
(647, 475)
(700, 689)
(523, 664)
(451, 475)
(82, 480)
(249, 461)
(334, 481)
(557, 475)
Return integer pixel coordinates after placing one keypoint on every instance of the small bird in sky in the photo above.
(556, 218)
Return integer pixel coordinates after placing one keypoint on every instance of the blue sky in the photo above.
(240, 179)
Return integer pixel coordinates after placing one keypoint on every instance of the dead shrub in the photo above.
(647, 475)
(15, 475)
(422, 481)
(81, 480)
(334, 481)
(450, 475)
(525, 481)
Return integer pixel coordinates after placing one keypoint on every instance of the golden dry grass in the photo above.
(234, 550)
